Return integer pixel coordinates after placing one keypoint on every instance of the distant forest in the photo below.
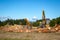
(23, 22)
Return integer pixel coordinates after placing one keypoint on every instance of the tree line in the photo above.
(23, 22)
(55, 21)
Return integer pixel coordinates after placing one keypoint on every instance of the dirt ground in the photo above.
(29, 36)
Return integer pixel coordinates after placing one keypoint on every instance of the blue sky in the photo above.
(19, 9)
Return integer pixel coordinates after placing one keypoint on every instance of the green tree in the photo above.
(35, 24)
(58, 20)
(52, 22)
(0, 23)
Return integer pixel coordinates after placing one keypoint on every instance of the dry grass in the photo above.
(29, 36)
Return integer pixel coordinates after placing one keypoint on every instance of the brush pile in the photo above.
(20, 28)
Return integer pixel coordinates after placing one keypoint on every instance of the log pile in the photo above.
(20, 28)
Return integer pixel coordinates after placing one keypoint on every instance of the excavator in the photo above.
(29, 25)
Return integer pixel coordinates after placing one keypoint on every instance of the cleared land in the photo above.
(29, 36)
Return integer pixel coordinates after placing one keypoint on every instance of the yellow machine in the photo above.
(29, 26)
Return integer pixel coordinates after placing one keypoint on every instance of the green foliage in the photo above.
(58, 20)
(35, 23)
(23, 22)
(12, 22)
(0, 23)
(55, 21)
(52, 22)
(39, 21)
